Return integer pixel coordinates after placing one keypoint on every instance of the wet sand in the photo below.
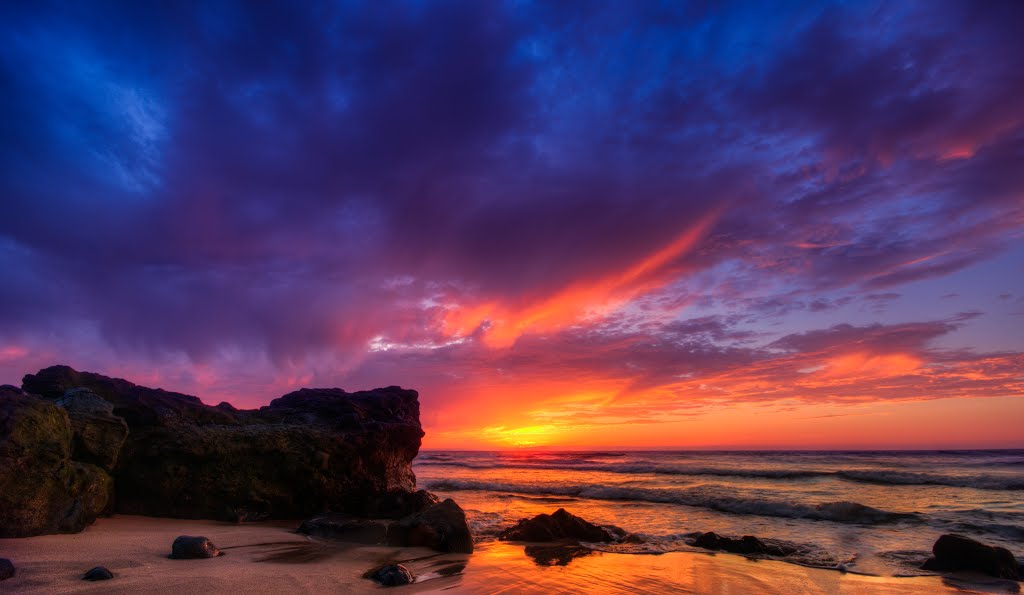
(270, 558)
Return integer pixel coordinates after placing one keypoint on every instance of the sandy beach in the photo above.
(271, 558)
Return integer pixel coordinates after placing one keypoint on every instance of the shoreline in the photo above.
(271, 557)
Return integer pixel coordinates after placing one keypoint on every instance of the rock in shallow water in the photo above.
(6, 569)
(559, 526)
(391, 575)
(99, 573)
(187, 547)
(747, 544)
(956, 552)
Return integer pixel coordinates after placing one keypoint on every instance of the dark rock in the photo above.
(6, 569)
(956, 552)
(309, 451)
(98, 433)
(747, 544)
(441, 527)
(559, 526)
(556, 555)
(345, 527)
(98, 574)
(391, 575)
(42, 490)
(187, 547)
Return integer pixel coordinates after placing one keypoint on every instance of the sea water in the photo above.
(873, 512)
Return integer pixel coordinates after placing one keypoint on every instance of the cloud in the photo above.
(673, 204)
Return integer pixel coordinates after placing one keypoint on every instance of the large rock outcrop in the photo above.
(42, 489)
(310, 451)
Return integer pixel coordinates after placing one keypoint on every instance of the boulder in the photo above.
(747, 545)
(956, 552)
(310, 451)
(42, 490)
(441, 527)
(391, 575)
(187, 547)
(98, 433)
(560, 526)
(6, 569)
(98, 573)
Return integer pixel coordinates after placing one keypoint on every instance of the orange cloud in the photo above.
(580, 299)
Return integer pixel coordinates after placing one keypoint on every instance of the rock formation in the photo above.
(956, 552)
(560, 526)
(168, 454)
(42, 489)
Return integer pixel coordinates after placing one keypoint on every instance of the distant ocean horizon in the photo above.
(868, 511)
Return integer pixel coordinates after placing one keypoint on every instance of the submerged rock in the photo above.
(42, 490)
(187, 547)
(391, 575)
(747, 544)
(560, 526)
(309, 451)
(441, 527)
(99, 573)
(6, 569)
(956, 552)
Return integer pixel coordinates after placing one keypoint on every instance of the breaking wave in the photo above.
(896, 478)
(840, 512)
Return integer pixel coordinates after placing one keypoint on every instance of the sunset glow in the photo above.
(628, 226)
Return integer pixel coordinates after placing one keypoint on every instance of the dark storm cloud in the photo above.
(228, 178)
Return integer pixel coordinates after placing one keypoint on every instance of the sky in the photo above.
(568, 225)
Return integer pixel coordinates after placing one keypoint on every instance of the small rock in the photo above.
(748, 544)
(186, 547)
(560, 526)
(6, 569)
(391, 575)
(956, 552)
(99, 573)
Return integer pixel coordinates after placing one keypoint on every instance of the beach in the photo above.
(270, 557)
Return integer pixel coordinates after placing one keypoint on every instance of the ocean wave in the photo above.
(984, 482)
(640, 468)
(881, 477)
(840, 512)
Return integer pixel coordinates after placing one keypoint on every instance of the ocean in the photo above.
(871, 512)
